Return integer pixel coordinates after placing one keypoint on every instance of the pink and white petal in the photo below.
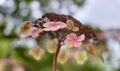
(77, 44)
(71, 36)
(58, 23)
(40, 30)
(35, 30)
(48, 24)
(63, 25)
(68, 43)
(55, 28)
(47, 29)
(81, 37)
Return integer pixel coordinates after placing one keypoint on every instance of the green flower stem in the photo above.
(56, 55)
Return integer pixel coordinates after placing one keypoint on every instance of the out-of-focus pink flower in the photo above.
(7, 61)
(53, 26)
(18, 68)
(34, 32)
(72, 40)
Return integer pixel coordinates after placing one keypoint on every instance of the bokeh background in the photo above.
(102, 15)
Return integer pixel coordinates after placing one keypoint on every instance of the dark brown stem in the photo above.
(56, 55)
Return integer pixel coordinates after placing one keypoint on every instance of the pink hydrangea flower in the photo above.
(18, 68)
(53, 26)
(34, 32)
(72, 40)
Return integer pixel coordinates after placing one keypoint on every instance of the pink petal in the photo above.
(71, 36)
(55, 28)
(63, 25)
(47, 29)
(68, 43)
(48, 24)
(77, 44)
(18, 68)
(35, 30)
(81, 37)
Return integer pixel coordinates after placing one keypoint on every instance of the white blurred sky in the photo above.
(102, 13)
(2, 1)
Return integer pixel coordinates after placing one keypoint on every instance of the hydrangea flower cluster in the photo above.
(64, 33)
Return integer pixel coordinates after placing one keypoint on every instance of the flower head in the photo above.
(29, 30)
(34, 32)
(54, 26)
(72, 40)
